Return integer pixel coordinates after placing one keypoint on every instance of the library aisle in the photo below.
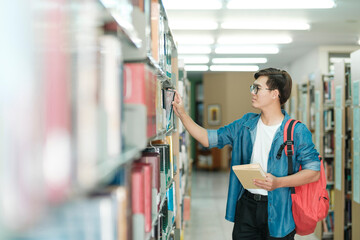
(208, 204)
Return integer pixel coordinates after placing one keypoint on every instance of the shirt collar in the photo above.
(252, 122)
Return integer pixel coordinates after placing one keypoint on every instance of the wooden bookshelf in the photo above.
(355, 203)
(342, 159)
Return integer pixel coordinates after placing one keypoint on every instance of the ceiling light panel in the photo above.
(234, 68)
(254, 40)
(194, 49)
(195, 59)
(193, 25)
(265, 25)
(280, 4)
(247, 50)
(238, 60)
(196, 68)
(192, 5)
(194, 39)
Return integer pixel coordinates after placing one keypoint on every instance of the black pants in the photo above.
(251, 219)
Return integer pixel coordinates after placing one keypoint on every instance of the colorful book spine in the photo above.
(147, 168)
(138, 203)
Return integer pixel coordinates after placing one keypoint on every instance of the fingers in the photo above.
(266, 184)
(177, 97)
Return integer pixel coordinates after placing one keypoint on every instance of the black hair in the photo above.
(277, 79)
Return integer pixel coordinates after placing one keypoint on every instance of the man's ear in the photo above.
(276, 94)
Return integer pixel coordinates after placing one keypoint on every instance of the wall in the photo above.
(194, 79)
(315, 62)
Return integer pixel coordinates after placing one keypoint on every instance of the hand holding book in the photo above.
(247, 173)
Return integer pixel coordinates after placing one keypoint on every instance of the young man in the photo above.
(256, 138)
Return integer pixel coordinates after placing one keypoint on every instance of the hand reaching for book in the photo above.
(178, 105)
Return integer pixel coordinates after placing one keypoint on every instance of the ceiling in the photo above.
(335, 26)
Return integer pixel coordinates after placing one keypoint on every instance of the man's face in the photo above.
(261, 95)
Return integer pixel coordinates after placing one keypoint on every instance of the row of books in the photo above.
(331, 193)
(348, 86)
(329, 141)
(329, 170)
(137, 198)
(329, 88)
(100, 216)
(153, 195)
(184, 147)
(328, 223)
(348, 211)
(148, 105)
(79, 92)
(329, 119)
(162, 44)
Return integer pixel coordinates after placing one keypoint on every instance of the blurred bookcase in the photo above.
(101, 154)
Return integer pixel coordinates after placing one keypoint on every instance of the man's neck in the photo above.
(272, 116)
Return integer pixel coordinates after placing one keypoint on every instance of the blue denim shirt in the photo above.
(240, 134)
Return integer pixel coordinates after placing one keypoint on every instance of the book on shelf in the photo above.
(140, 89)
(86, 91)
(246, 173)
(329, 172)
(165, 173)
(110, 96)
(147, 168)
(154, 160)
(155, 16)
(138, 203)
(168, 98)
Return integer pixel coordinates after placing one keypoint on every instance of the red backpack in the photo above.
(310, 202)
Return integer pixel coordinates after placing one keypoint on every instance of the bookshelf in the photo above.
(324, 142)
(342, 129)
(355, 202)
(104, 158)
(306, 104)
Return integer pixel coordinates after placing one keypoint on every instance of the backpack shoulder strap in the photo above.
(289, 145)
(289, 136)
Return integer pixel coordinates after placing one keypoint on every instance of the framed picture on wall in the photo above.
(214, 114)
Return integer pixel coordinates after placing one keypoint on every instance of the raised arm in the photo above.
(198, 132)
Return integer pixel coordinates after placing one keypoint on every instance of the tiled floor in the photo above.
(208, 203)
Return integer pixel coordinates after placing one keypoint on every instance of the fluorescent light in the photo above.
(193, 25)
(254, 40)
(194, 39)
(247, 50)
(234, 68)
(192, 5)
(239, 60)
(339, 59)
(196, 68)
(194, 50)
(280, 4)
(265, 25)
(195, 59)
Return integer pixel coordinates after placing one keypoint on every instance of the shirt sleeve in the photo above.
(224, 135)
(306, 153)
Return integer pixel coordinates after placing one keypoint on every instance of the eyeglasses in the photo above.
(256, 88)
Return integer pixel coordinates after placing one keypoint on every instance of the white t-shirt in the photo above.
(263, 141)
